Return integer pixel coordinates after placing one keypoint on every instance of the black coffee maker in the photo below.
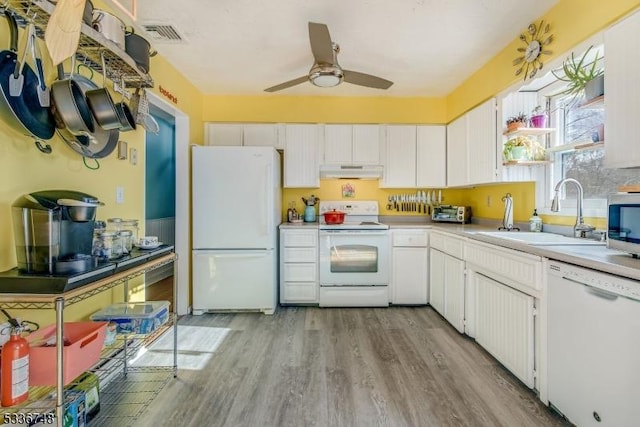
(53, 231)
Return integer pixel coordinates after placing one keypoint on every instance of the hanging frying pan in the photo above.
(97, 144)
(23, 112)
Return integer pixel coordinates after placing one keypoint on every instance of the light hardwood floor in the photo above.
(306, 366)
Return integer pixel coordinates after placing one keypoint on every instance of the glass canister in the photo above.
(126, 236)
(120, 224)
(107, 244)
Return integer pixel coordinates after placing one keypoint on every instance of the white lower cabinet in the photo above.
(447, 278)
(298, 266)
(504, 326)
(409, 267)
(506, 288)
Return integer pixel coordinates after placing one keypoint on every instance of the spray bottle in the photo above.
(14, 367)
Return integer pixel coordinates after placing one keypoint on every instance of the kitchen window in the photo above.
(576, 150)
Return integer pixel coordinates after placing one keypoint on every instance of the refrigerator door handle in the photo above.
(266, 218)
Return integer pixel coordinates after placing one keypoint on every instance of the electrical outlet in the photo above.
(119, 195)
(133, 156)
(488, 201)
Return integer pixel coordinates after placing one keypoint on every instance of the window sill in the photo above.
(571, 211)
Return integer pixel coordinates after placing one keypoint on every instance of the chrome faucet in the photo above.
(580, 229)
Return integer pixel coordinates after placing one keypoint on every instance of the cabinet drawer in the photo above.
(300, 292)
(449, 245)
(300, 238)
(300, 272)
(410, 238)
(299, 255)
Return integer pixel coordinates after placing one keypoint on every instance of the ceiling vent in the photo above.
(163, 33)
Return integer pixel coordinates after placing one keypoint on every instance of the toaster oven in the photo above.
(449, 213)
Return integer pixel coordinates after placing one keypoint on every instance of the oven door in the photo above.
(354, 258)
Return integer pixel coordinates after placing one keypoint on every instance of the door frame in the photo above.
(182, 202)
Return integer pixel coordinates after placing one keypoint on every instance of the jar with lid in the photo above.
(120, 224)
(126, 236)
(107, 244)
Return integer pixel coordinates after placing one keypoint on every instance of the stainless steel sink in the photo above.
(540, 239)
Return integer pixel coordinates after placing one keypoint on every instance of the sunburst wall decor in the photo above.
(536, 39)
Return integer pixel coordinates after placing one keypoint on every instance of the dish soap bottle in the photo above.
(535, 222)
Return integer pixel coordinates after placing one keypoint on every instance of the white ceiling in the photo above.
(426, 47)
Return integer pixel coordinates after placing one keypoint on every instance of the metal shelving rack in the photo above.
(92, 44)
(113, 358)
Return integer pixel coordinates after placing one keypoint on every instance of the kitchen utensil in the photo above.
(101, 103)
(69, 105)
(96, 144)
(23, 113)
(127, 121)
(333, 217)
(139, 50)
(63, 29)
(44, 95)
(110, 26)
(16, 79)
(428, 203)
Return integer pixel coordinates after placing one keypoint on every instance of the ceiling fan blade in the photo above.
(288, 84)
(368, 80)
(321, 45)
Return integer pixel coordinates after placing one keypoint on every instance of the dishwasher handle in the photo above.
(593, 290)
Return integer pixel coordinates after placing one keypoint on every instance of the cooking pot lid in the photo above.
(333, 212)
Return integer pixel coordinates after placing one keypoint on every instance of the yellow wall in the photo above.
(323, 109)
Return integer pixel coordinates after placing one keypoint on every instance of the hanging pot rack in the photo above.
(92, 45)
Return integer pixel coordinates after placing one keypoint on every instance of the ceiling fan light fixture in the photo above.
(326, 77)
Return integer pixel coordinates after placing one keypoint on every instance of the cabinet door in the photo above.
(400, 153)
(223, 134)
(338, 144)
(366, 144)
(431, 156)
(409, 276)
(482, 143)
(454, 292)
(457, 152)
(261, 135)
(504, 326)
(301, 154)
(622, 126)
(436, 280)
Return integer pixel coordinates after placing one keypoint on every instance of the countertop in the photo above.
(596, 257)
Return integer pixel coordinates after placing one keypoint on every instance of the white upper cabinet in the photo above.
(472, 147)
(366, 144)
(261, 135)
(622, 127)
(431, 154)
(338, 144)
(482, 143)
(400, 157)
(223, 134)
(457, 152)
(302, 150)
(352, 144)
(248, 134)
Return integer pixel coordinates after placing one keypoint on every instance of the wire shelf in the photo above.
(91, 47)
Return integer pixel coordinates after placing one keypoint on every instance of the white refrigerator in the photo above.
(236, 210)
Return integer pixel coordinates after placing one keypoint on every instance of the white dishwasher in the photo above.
(593, 346)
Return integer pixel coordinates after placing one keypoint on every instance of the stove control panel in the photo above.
(357, 207)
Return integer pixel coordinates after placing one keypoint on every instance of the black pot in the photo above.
(139, 50)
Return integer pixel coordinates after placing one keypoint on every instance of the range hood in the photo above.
(351, 171)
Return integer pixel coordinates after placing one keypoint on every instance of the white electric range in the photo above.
(354, 256)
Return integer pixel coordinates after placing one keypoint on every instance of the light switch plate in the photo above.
(133, 156)
(119, 195)
(122, 150)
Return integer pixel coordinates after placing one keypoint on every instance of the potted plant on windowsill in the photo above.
(523, 148)
(582, 78)
(538, 117)
(518, 121)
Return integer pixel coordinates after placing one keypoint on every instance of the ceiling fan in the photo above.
(326, 72)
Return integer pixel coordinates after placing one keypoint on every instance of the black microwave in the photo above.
(623, 222)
